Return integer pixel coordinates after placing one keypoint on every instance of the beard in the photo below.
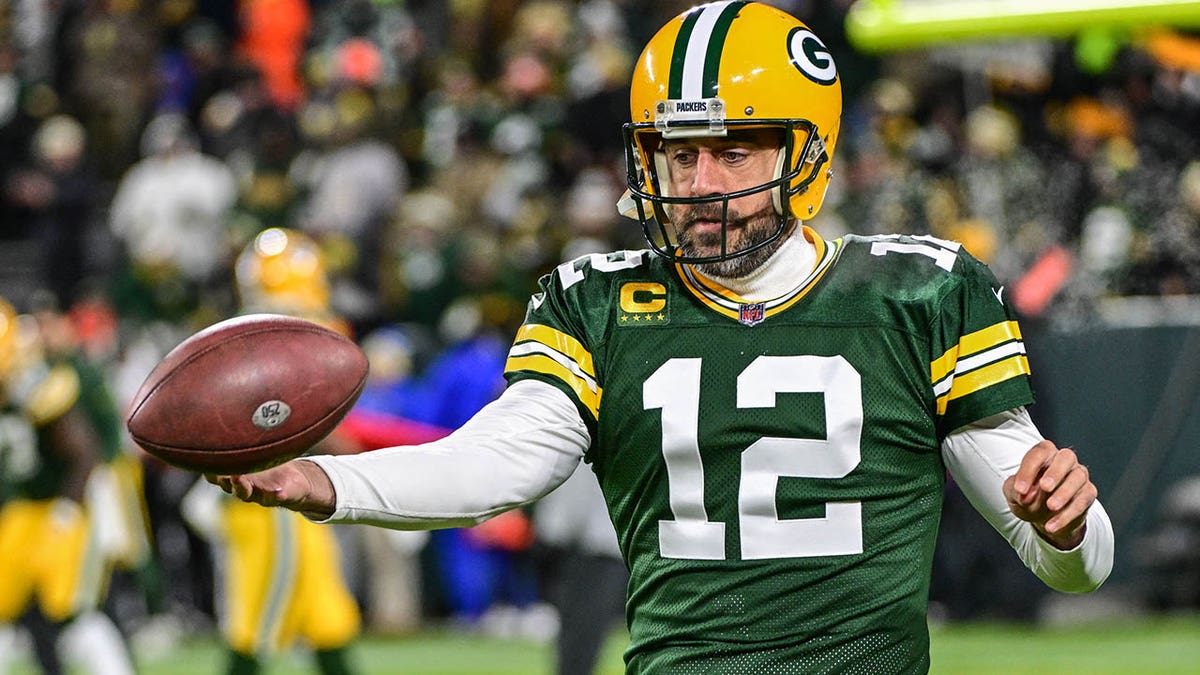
(742, 232)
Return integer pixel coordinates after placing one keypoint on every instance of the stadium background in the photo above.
(445, 154)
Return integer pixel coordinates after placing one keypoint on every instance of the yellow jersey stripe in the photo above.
(54, 396)
(540, 363)
(702, 297)
(717, 289)
(971, 343)
(530, 348)
(559, 342)
(983, 378)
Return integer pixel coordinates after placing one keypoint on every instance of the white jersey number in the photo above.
(19, 459)
(942, 251)
(675, 389)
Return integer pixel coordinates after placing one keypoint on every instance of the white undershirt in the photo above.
(787, 268)
(531, 439)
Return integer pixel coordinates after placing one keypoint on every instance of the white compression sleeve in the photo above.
(518, 448)
(980, 457)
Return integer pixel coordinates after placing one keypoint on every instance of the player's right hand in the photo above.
(298, 485)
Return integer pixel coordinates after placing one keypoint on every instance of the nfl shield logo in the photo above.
(752, 315)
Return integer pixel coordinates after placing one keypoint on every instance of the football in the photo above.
(247, 394)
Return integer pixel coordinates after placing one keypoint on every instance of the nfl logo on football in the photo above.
(752, 314)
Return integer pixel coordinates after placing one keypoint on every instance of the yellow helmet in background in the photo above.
(283, 271)
(725, 66)
(8, 337)
(42, 391)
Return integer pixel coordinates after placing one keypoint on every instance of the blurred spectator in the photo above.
(273, 35)
(106, 57)
(584, 573)
(595, 83)
(207, 70)
(452, 112)
(171, 212)
(1003, 185)
(268, 195)
(592, 228)
(365, 42)
(417, 280)
(60, 193)
(1169, 260)
(17, 126)
(354, 183)
(487, 572)
(1170, 551)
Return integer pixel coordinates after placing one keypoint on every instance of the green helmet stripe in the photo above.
(696, 58)
(679, 55)
(712, 60)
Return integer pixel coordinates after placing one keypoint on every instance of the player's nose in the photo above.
(708, 178)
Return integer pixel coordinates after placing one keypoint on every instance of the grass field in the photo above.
(1155, 646)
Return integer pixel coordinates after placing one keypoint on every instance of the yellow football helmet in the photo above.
(724, 66)
(282, 271)
(8, 337)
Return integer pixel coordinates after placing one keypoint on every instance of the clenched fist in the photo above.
(1053, 491)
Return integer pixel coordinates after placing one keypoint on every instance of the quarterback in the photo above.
(770, 415)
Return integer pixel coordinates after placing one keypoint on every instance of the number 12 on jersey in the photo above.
(675, 390)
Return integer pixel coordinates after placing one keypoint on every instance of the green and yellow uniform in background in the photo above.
(48, 550)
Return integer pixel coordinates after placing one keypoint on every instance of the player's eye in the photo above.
(683, 156)
(735, 156)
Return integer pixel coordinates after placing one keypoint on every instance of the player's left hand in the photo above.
(1053, 491)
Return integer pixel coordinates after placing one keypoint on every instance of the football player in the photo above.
(50, 554)
(280, 577)
(770, 414)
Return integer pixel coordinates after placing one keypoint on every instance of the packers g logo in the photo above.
(643, 303)
(810, 56)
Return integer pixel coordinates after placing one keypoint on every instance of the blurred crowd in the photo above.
(441, 150)
(441, 155)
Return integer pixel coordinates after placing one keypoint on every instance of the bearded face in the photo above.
(699, 232)
(708, 167)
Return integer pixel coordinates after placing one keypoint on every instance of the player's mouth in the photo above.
(704, 228)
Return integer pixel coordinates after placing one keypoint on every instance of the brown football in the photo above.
(246, 394)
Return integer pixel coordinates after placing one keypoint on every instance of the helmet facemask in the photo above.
(800, 160)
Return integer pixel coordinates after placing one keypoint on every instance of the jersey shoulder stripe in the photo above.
(568, 319)
(979, 360)
(551, 352)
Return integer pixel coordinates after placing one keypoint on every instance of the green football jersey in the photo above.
(36, 395)
(773, 469)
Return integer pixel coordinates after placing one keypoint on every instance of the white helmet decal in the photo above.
(811, 57)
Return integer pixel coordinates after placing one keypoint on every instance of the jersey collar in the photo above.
(725, 301)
